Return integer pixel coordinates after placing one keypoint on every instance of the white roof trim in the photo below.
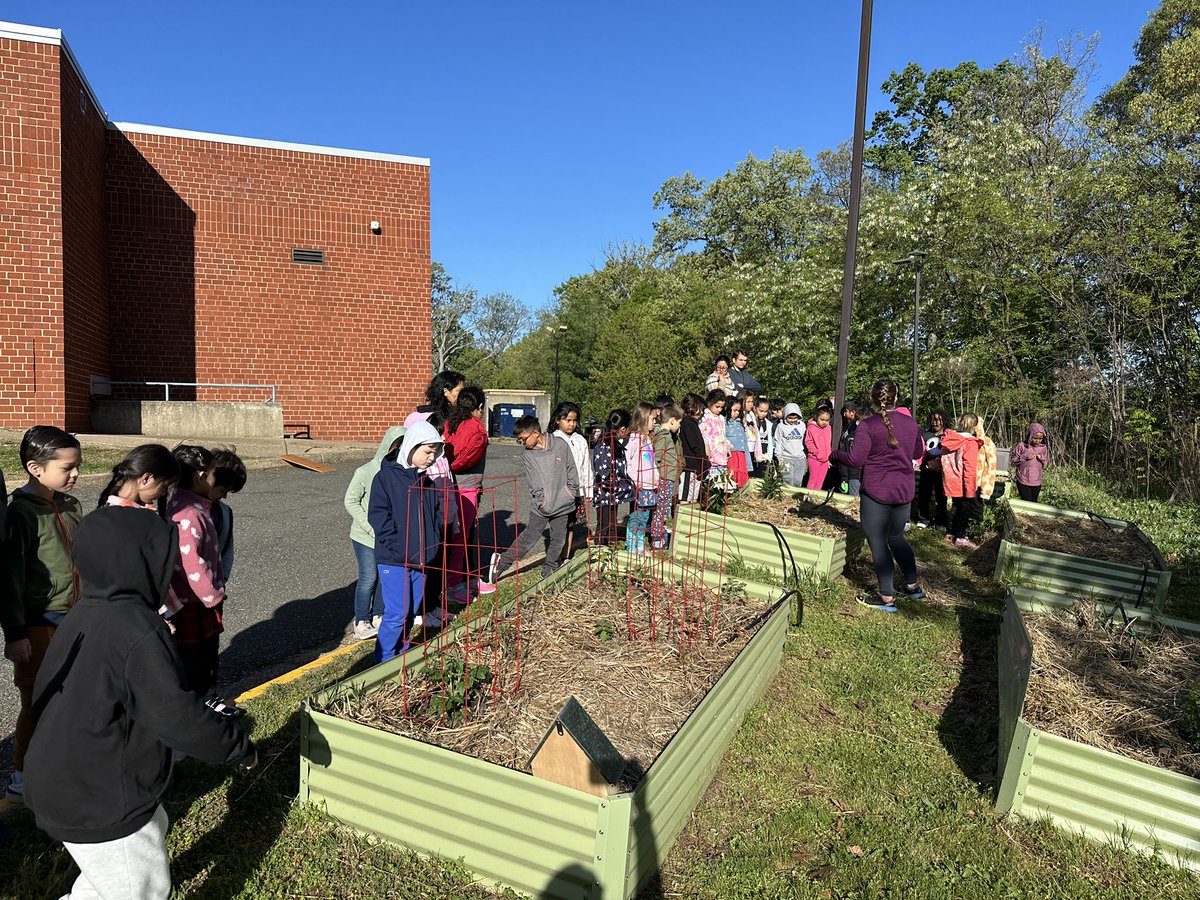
(273, 145)
(32, 34)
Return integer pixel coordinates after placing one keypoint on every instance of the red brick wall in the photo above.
(31, 290)
(203, 287)
(85, 297)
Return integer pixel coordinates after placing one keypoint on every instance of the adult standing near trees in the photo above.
(743, 380)
(720, 378)
(885, 447)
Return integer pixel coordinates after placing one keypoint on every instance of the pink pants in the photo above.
(816, 474)
(456, 552)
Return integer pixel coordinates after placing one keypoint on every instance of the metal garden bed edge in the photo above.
(509, 827)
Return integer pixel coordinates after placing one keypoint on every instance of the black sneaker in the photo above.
(875, 601)
(914, 591)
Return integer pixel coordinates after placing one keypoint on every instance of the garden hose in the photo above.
(795, 573)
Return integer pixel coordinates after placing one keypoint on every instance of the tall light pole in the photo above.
(856, 164)
(558, 333)
(916, 259)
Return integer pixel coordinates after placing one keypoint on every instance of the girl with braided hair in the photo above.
(886, 445)
(142, 479)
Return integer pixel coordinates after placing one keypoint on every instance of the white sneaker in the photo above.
(417, 622)
(364, 630)
(493, 567)
(922, 523)
(15, 792)
(375, 620)
(908, 526)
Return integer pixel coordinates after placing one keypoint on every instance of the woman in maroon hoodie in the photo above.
(885, 447)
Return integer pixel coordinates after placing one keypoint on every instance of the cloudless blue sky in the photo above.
(549, 125)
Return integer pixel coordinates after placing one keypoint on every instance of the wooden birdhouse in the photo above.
(574, 752)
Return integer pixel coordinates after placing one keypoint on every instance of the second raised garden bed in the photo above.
(1111, 572)
(714, 538)
(536, 836)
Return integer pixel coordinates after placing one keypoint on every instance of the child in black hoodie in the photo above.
(111, 705)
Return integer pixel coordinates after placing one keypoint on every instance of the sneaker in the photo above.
(493, 569)
(875, 601)
(224, 707)
(908, 526)
(460, 593)
(914, 591)
(940, 529)
(437, 618)
(418, 621)
(922, 523)
(15, 792)
(364, 630)
(375, 620)
(966, 542)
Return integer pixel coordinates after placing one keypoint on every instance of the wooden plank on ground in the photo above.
(303, 462)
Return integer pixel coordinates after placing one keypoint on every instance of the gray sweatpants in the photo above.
(794, 469)
(136, 867)
(532, 536)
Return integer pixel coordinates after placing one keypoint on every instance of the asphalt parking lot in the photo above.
(291, 595)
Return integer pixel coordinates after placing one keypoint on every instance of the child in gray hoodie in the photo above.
(789, 445)
(362, 538)
(553, 486)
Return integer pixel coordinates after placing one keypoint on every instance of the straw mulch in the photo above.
(796, 514)
(1084, 537)
(1113, 688)
(637, 690)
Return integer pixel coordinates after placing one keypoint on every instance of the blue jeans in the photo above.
(853, 487)
(367, 590)
(402, 590)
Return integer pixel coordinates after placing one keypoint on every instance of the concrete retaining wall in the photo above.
(187, 417)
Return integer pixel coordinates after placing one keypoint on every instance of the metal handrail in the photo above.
(167, 385)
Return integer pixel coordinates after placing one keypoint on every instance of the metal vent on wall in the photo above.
(308, 257)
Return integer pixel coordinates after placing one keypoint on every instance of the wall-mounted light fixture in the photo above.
(376, 228)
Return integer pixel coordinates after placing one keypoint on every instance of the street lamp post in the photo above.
(558, 333)
(916, 259)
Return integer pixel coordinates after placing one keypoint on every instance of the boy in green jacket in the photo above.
(362, 538)
(39, 578)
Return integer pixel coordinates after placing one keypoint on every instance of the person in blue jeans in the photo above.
(368, 606)
(407, 515)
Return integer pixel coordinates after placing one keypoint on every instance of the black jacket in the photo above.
(110, 699)
(691, 447)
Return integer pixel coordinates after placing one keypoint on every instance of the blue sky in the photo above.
(549, 125)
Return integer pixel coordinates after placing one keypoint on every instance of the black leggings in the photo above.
(968, 511)
(1029, 492)
(884, 525)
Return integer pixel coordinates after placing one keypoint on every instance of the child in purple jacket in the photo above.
(1029, 461)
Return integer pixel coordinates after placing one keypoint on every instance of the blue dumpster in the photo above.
(505, 415)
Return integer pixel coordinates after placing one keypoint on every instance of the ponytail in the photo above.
(883, 397)
(147, 459)
(192, 459)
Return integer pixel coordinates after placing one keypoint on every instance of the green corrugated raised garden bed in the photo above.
(421, 789)
(1090, 733)
(1081, 554)
(818, 537)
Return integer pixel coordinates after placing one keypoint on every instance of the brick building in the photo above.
(137, 253)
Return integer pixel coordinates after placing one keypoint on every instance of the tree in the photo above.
(471, 331)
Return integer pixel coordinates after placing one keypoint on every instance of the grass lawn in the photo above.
(866, 771)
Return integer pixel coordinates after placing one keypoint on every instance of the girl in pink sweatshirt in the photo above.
(818, 444)
(197, 584)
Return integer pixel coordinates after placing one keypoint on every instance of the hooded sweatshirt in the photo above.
(1029, 460)
(960, 463)
(466, 451)
(110, 699)
(37, 571)
(553, 481)
(789, 439)
(358, 495)
(406, 507)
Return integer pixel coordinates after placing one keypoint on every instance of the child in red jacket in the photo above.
(466, 450)
(960, 463)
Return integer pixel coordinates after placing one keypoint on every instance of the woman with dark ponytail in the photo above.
(886, 445)
(142, 479)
